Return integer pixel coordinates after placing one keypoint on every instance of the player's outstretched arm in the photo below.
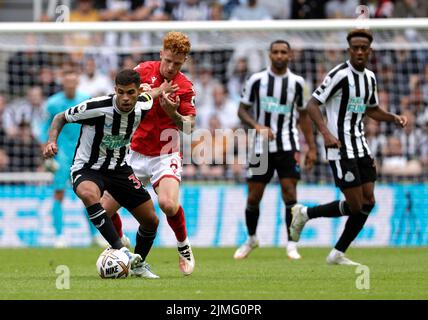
(378, 114)
(51, 147)
(313, 107)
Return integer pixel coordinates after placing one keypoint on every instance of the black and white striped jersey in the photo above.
(106, 131)
(346, 93)
(274, 100)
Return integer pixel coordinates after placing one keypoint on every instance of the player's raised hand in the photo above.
(168, 104)
(400, 120)
(50, 150)
(331, 141)
(168, 86)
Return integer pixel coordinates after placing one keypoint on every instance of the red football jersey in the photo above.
(147, 137)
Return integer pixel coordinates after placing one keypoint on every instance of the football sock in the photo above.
(178, 225)
(57, 216)
(103, 223)
(329, 210)
(145, 240)
(353, 226)
(288, 217)
(93, 231)
(251, 218)
(117, 222)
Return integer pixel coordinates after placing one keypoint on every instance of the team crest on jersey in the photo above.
(81, 108)
(153, 79)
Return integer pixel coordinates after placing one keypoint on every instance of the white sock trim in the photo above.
(186, 242)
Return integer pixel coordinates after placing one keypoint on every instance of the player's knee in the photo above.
(368, 208)
(88, 196)
(353, 208)
(168, 206)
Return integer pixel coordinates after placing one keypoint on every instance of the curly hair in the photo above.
(360, 33)
(177, 42)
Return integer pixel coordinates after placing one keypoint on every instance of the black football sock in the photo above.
(145, 240)
(288, 217)
(353, 227)
(103, 223)
(329, 210)
(251, 218)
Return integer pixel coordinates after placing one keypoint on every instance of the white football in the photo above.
(112, 264)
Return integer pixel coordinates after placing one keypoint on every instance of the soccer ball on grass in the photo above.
(113, 264)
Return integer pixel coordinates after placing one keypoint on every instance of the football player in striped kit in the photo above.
(348, 93)
(274, 95)
(99, 164)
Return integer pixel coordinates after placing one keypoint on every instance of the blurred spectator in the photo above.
(23, 67)
(92, 81)
(308, 9)
(216, 12)
(204, 84)
(278, 9)
(27, 111)
(410, 9)
(46, 80)
(375, 139)
(23, 150)
(2, 130)
(4, 160)
(224, 108)
(341, 9)
(379, 8)
(191, 10)
(250, 10)
(229, 6)
(237, 78)
(395, 163)
(410, 136)
(84, 12)
(423, 144)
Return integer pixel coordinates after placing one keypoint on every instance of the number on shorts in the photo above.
(135, 181)
(174, 165)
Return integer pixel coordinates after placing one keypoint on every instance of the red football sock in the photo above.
(178, 225)
(117, 222)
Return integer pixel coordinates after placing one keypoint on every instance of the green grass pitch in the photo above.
(394, 273)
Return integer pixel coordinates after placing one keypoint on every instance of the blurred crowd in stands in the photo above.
(218, 77)
(190, 10)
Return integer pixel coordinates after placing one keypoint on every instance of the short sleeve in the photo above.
(248, 91)
(325, 90)
(187, 103)
(81, 114)
(373, 100)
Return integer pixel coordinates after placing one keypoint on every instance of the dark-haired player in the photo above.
(99, 164)
(274, 95)
(348, 93)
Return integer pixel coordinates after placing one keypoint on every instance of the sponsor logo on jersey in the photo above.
(356, 105)
(115, 142)
(271, 104)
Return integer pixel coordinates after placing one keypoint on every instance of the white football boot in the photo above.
(244, 250)
(143, 270)
(298, 221)
(186, 261)
(337, 257)
(292, 252)
(134, 258)
(126, 242)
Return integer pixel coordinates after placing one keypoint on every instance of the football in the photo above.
(113, 264)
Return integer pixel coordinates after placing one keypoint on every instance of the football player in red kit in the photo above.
(155, 148)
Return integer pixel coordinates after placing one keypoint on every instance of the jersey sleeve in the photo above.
(327, 87)
(81, 114)
(248, 91)
(187, 102)
(373, 100)
(300, 93)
